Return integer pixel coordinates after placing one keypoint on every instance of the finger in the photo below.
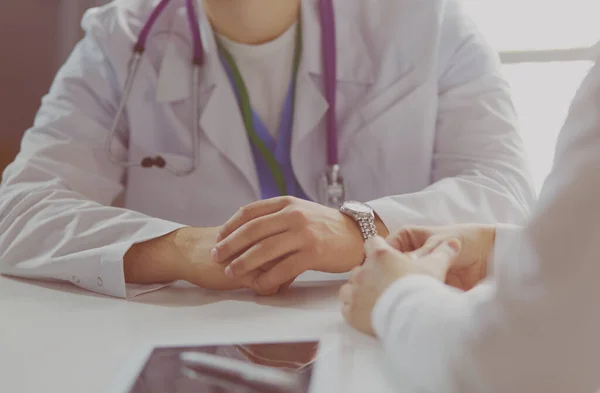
(378, 250)
(289, 268)
(430, 245)
(287, 285)
(441, 258)
(251, 212)
(346, 294)
(248, 280)
(409, 239)
(248, 235)
(352, 278)
(347, 313)
(353, 317)
(268, 266)
(264, 252)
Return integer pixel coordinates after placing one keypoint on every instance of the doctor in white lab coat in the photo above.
(533, 325)
(427, 135)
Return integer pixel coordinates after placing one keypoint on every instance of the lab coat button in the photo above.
(75, 279)
(100, 283)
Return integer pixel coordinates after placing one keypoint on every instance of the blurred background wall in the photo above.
(36, 36)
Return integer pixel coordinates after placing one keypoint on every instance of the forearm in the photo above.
(53, 233)
(155, 261)
(181, 255)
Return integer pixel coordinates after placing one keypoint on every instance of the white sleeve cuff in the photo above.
(406, 294)
(105, 274)
(506, 237)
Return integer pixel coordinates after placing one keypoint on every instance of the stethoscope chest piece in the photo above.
(333, 191)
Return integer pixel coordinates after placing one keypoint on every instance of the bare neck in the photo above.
(252, 21)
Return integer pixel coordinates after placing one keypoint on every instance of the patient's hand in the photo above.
(383, 267)
(471, 265)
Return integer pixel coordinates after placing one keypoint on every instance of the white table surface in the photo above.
(57, 338)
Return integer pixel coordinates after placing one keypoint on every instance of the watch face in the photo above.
(358, 207)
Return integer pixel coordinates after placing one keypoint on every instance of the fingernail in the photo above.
(219, 237)
(454, 245)
(214, 254)
(229, 272)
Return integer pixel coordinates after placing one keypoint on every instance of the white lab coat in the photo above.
(534, 326)
(427, 133)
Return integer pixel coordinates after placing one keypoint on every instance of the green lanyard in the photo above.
(246, 109)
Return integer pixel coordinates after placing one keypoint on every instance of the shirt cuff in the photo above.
(506, 236)
(406, 293)
(105, 275)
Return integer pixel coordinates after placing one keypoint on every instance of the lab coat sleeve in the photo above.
(57, 219)
(479, 169)
(533, 327)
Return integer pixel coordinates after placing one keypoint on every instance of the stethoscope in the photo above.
(332, 184)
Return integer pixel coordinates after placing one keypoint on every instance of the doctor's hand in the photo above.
(470, 266)
(383, 267)
(287, 236)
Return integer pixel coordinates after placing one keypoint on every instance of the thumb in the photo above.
(430, 246)
(377, 249)
(441, 257)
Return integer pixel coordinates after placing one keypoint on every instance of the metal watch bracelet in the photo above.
(367, 227)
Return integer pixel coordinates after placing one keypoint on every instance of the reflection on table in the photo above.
(239, 368)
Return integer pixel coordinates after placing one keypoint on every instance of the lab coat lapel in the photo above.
(220, 118)
(353, 65)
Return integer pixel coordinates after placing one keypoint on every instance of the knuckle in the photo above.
(239, 266)
(311, 236)
(288, 200)
(382, 253)
(245, 213)
(258, 248)
(298, 216)
(223, 249)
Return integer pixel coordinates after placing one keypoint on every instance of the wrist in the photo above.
(358, 229)
(193, 247)
(382, 229)
(196, 265)
(489, 235)
(154, 261)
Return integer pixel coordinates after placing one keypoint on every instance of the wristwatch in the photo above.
(363, 214)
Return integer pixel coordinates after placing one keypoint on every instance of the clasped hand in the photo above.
(278, 239)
